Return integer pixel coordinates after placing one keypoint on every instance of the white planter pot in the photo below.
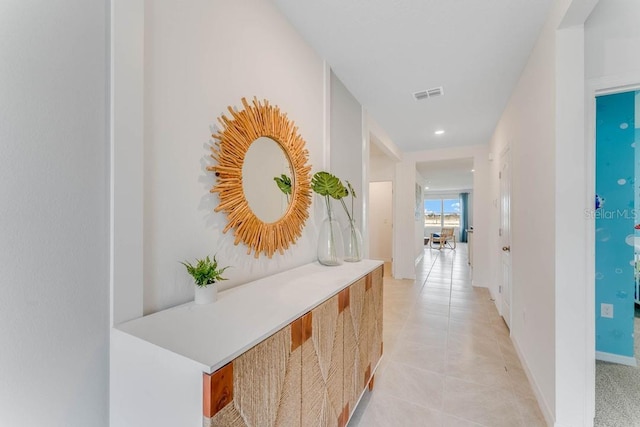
(206, 294)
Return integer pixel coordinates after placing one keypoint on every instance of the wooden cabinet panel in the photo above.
(373, 302)
(322, 366)
(356, 349)
(265, 385)
(311, 373)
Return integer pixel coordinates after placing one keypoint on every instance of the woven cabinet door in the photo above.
(260, 388)
(356, 349)
(322, 365)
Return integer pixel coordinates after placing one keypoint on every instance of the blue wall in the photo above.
(615, 220)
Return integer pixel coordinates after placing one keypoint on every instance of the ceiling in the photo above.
(447, 175)
(385, 50)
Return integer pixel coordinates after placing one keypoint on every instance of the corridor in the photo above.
(448, 359)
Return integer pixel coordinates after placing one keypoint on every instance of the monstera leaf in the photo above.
(284, 183)
(326, 184)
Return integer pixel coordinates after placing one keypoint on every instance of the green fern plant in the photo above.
(205, 272)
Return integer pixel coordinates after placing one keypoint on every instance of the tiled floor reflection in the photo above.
(448, 360)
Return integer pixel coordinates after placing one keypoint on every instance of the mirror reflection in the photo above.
(263, 183)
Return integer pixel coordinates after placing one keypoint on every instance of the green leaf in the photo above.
(205, 272)
(284, 183)
(326, 184)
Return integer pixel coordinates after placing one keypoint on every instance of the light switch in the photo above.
(606, 310)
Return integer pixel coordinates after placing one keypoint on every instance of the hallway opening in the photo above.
(448, 357)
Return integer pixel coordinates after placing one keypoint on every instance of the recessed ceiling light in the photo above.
(426, 188)
(439, 132)
(473, 170)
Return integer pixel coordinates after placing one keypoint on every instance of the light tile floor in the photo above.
(448, 359)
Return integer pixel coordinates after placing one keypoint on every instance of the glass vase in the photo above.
(330, 243)
(352, 242)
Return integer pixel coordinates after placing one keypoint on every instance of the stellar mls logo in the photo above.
(611, 214)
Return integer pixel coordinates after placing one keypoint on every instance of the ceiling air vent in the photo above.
(429, 93)
(436, 91)
(423, 94)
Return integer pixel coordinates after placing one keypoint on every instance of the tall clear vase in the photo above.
(330, 246)
(352, 243)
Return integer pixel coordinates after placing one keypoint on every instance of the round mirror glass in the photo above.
(267, 181)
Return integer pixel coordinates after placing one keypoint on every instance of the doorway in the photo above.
(381, 220)
(617, 255)
(617, 228)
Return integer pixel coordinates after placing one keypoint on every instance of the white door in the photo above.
(380, 220)
(505, 235)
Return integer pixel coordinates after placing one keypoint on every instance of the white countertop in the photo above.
(214, 334)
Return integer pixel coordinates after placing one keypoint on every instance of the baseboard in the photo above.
(616, 358)
(479, 285)
(493, 297)
(542, 402)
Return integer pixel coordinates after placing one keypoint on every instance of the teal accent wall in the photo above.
(616, 218)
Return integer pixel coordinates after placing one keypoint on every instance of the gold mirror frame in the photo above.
(231, 145)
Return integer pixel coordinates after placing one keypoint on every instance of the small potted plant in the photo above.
(205, 274)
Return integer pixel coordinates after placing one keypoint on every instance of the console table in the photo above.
(297, 348)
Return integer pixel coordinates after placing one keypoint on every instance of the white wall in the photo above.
(199, 60)
(383, 156)
(470, 204)
(404, 256)
(418, 221)
(383, 140)
(612, 37)
(54, 309)
(380, 220)
(346, 147)
(381, 166)
(543, 127)
(126, 155)
(527, 127)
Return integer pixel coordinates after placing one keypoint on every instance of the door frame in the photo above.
(505, 156)
(596, 87)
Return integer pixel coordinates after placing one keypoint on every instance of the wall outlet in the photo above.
(606, 310)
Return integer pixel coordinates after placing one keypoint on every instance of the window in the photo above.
(433, 212)
(442, 212)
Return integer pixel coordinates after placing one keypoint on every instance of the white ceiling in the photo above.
(385, 50)
(447, 175)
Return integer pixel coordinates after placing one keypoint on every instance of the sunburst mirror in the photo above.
(263, 179)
